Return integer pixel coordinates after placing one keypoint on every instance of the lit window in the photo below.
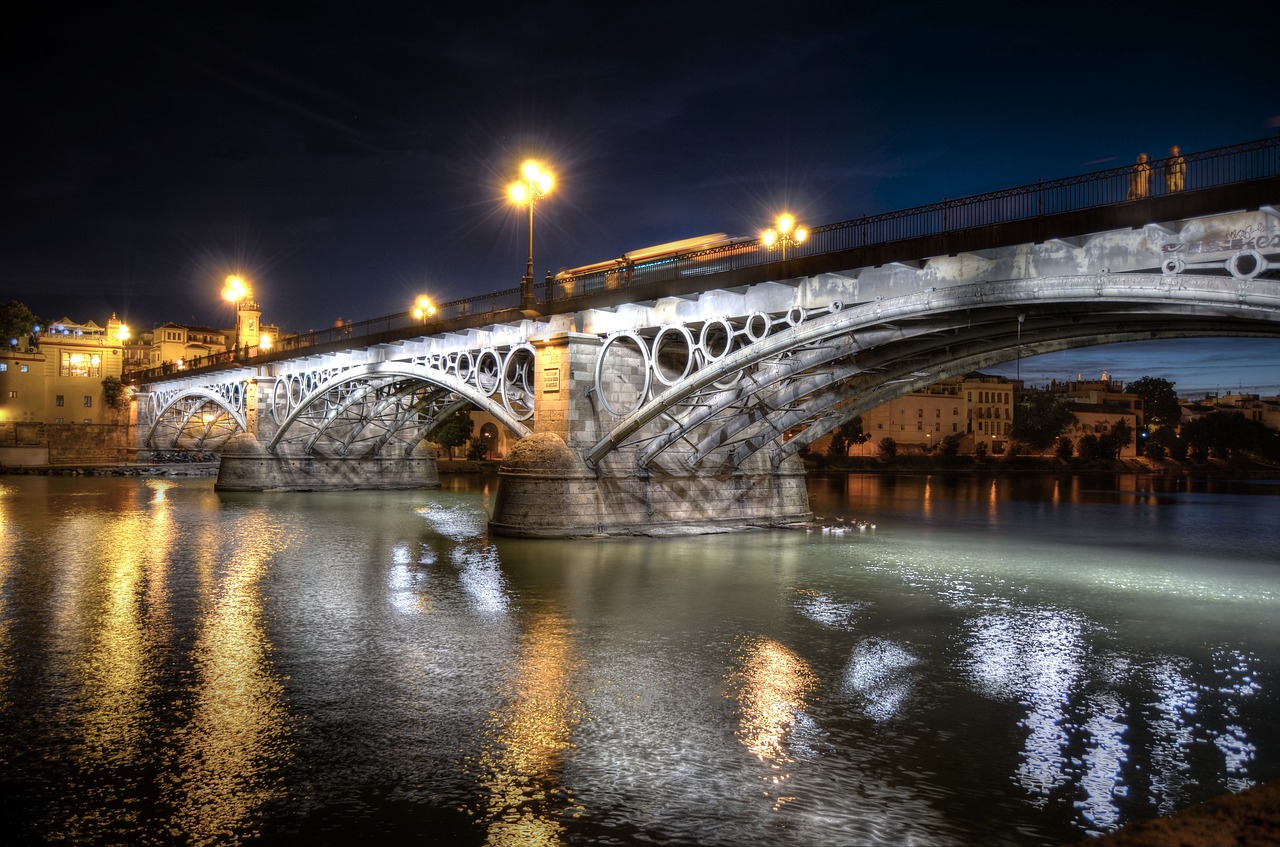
(23, 368)
(13, 394)
(88, 401)
(80, 364)
(4, 366)
(58, 400)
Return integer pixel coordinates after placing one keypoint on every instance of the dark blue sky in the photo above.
(347, 158)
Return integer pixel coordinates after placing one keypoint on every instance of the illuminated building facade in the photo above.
(57, 376)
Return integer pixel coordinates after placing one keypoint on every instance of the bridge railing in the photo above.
(1111, 187)
(372, 331)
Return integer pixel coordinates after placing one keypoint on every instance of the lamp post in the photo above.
(234, 290)
(534, 184)
(789, 234)
(423, 308)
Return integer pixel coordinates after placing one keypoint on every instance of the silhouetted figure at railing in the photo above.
(1140, 179)
(1175, 172)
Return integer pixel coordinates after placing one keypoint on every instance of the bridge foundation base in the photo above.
(545, 491)
(246, 466)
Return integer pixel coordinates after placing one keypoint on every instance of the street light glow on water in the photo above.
(997, 661)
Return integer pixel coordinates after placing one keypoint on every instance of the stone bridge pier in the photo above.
(549, 487)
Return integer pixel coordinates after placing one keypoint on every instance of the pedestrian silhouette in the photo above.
(1175, 173)
(1140, 178)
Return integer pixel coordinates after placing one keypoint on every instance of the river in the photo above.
(940, 660)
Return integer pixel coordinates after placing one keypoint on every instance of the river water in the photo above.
(957, 660)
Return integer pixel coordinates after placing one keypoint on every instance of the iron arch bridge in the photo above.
(381, 407)
(722, 390)
(729, 380)
(195, 417)
(344, 407)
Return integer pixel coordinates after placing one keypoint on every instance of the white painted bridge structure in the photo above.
(689, 408)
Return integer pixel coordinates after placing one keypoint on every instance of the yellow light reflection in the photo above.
(237, 739)
(123, 614)
(771, 688)
(523, 759)
(8, 555)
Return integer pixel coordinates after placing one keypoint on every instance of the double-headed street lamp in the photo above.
(534, 184)
(423, 308)
(788, 234)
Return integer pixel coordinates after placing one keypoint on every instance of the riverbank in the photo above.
(1251, 817)
(1038, 464)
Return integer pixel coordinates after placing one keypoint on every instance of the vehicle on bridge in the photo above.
(702, 254)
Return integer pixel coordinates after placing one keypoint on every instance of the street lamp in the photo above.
(788, 234)
(233, 291)
(534, 184)
(423, 308)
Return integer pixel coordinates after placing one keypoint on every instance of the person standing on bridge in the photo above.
(1140, 179)
(1175, 173)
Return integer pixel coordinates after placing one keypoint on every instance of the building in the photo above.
(180, 346)
(1264, 410)
(976, 407)
(1099, 405)
(58, 379)
(54, 407)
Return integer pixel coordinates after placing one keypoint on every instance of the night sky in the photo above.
(346, 158)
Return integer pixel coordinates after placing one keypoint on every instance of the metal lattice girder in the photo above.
(1145, 298)
(196, 418)
(370, 404)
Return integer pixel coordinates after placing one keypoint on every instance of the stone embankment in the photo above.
(147, 469)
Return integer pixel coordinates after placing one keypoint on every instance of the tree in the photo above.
(839, 446)
(1160, 406)
(16, 322)
(950, 446)
(1065, 448)
(1166, 442)
(888, 448)
(847, 434)
(1089, 448)
(113, 394)
(454, 430)
(1040, 418)
(1228, 434)
(1116, 439)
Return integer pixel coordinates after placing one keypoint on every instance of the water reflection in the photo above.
(233, 748)
(117, 615)
(771, 686)
(183, 667)
(1035, 657)
(9, 543)
(880, 676)
(527, 741)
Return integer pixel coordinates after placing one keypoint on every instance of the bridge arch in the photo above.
(374, 404)
(175, 413)
(863, 355)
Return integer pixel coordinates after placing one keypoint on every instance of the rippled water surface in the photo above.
(939, 661)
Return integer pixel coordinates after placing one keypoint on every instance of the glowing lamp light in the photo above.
(423, 308)
(788, 234)
(235, 289)
(123, 333)
(265, 342)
